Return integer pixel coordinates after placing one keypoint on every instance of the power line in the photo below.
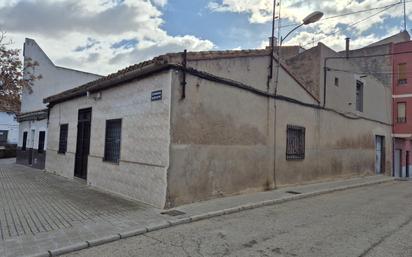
(352, 24)
(366, 73)
(349, 13)
(367, 56)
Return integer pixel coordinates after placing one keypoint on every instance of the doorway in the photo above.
(379, 154)
(407, 164)
(397, 164)
(83, 143)
(31, 148)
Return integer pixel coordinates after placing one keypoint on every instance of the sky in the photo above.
(103, 36)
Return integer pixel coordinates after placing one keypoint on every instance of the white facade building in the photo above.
(32, 143)
(9, 128)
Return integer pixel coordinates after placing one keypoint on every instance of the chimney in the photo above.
(347, 47)
(274, 41)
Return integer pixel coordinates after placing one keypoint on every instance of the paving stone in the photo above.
(51, 212)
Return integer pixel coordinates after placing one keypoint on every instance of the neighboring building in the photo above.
(387, 61)
(168, 135)
(32, 145)
(402, 103)
(9, 128)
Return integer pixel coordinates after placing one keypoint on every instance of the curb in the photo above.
(198, 217)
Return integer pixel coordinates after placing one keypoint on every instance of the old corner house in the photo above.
(188, 127)
(32, 143)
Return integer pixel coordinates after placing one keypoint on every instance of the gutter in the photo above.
(108, 83)
(155, 68)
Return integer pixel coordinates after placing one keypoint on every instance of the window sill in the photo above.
(111, 162)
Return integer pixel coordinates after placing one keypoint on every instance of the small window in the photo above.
(295, 143)
(112, 141)
(3, 136)
(23, 148)
(359, 96)
(42, 137)
(64, 131)
(401, 118)
(402, 74)
(336, 81)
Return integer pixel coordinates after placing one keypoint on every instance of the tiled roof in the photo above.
(156, 64)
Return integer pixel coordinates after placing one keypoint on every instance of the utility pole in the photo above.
(272, 44)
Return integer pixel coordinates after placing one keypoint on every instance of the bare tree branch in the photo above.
(14, 76)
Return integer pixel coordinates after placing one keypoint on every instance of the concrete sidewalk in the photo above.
(93, 217)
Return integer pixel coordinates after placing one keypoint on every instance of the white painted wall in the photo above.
(54, 79)
(8, 122)
(29, 126)
(144, 156)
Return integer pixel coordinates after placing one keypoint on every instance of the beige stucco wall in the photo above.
(334, 147)
(223, 137)
(141, 173)
(221, 142)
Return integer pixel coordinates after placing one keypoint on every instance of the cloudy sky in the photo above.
(102, 36)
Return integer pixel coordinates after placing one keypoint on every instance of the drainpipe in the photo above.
(184, 64)
(325, 70)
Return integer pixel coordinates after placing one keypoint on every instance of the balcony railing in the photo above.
(402, 82)
(401, 120)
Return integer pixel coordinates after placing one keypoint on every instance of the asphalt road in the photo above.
(368, 221)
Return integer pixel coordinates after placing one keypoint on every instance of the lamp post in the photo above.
(311, 18)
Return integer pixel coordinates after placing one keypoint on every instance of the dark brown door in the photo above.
(407, 164)
(83, 143)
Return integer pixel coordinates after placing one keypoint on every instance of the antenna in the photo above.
(404, 15)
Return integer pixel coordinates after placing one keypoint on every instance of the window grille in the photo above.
(3, 136)
(401, 117)
(295, 143)
(112, 140)
(64, 131)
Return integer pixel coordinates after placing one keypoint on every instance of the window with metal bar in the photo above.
(3, 136)
(64, 131)
(401, 117)
(112, 140)
(402, 74)
(42, 138)
(23, 148)
(295, 143)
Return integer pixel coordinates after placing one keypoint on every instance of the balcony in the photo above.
(401, 120)
(402, 82)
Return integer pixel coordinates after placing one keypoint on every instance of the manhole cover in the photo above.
(293, 192)
(173, 213)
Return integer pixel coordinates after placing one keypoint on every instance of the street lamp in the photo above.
(311, 18)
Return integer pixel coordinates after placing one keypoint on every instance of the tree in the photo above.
(14, 76)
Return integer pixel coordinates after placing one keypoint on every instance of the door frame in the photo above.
(82, 174)
(400, 163)
(382, 153)
(31, 148)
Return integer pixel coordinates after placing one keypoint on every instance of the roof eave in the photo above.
(105, 84)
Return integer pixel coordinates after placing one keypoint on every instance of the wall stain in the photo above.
(208, 126)
(364, 141)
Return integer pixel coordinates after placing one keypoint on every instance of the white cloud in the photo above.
(260, 11)
(80, 34)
